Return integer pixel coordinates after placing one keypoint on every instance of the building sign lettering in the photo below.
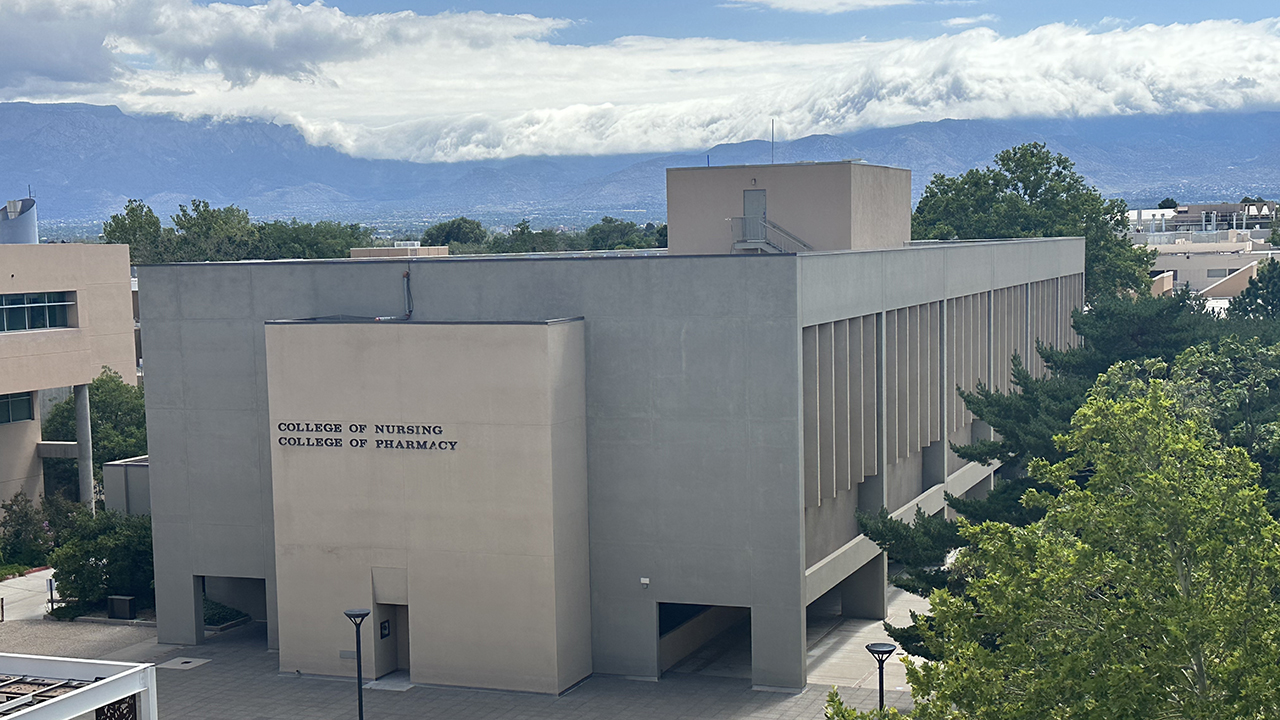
(313, 435)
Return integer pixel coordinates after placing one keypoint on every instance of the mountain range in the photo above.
(83, 162)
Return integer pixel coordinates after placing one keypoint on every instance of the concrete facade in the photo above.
(462, 502)
(831, 206)
(94, 281)
(737, 410)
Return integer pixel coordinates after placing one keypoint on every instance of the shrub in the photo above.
(24, 535)
(106, 554)
(215, 613)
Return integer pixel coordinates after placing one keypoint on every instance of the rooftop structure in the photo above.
(35, 687)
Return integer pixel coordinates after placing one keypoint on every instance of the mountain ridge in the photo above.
(84, 161)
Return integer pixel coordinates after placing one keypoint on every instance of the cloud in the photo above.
(825, 7)
(478, 85)
(976, 20)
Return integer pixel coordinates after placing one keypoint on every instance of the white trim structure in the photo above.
(100, 683)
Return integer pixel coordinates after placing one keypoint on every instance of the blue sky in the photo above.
(603, 21)
(475, 79)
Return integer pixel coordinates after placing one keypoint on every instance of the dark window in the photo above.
(16, 407)
(35, 311)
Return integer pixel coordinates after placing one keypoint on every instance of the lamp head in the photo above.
(357, 616)
(881, 650)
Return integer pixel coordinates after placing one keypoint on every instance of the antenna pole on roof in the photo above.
(708, 161)
(770, 141)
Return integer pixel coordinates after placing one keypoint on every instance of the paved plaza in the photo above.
(241, 681)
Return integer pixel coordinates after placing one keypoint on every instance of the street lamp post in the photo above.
(881, 652)
(357, 616)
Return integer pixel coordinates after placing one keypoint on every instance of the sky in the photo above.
(476, 79)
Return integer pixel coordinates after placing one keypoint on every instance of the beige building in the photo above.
(566, 464)
(464, 498)
(66, 314)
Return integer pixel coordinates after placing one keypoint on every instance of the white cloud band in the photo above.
(477, 85)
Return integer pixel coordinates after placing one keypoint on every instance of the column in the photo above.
(865, 593)
(84, 445)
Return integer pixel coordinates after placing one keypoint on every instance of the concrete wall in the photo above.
(831, 206)
(487, 517)
(20, 467)
(694, 420)
(103, 324)
(692, 425)
(126, 486)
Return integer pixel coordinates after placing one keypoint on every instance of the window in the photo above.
(16, 407)
(1218, 272)
(35, 311)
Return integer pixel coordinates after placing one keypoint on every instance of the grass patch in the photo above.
(12, 571)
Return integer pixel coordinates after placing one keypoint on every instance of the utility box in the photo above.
(122, 607)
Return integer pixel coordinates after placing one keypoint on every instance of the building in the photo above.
(1209, 217)
(559, 465)
(66, 314)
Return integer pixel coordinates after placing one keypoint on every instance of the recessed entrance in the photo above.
(704, 639)
(390, 639)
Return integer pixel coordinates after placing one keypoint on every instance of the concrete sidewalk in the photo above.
(26, 598)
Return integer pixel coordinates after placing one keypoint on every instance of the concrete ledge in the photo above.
(842, 563)
(57, 449)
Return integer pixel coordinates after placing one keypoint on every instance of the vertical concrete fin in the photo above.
(870, 397)
(809, 408)
(826, 411)
(840, 339)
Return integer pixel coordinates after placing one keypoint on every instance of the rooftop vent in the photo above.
(18, 223)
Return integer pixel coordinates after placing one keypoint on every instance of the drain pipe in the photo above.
(408, 304)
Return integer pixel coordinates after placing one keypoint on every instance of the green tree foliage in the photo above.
(835, 709)
(203, 233)
(1168, 204)
(25, 538)
(460, 230)
(1262, 298)
(1025, 419)
(139, 228)
(1148, 590)
(104, 554)
(608, 234)
(117, 424)
(279, 240)
(1032, 192)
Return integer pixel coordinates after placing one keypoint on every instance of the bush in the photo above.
(835, 709)
(215, 613)
(70, 611)
(12, 571)
(106, 554)
(24, 535)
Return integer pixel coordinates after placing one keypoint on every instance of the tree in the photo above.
(1032, 192)
(139, 228)
(1262, 298)
(324, 239)
(1168, 204)
(209, 234)
(458, 230)
(117, 424)
(1148, 590)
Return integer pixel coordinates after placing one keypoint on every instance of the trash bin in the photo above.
(121, 607)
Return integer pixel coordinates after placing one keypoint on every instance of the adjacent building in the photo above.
(535, 468)
(65, 313)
